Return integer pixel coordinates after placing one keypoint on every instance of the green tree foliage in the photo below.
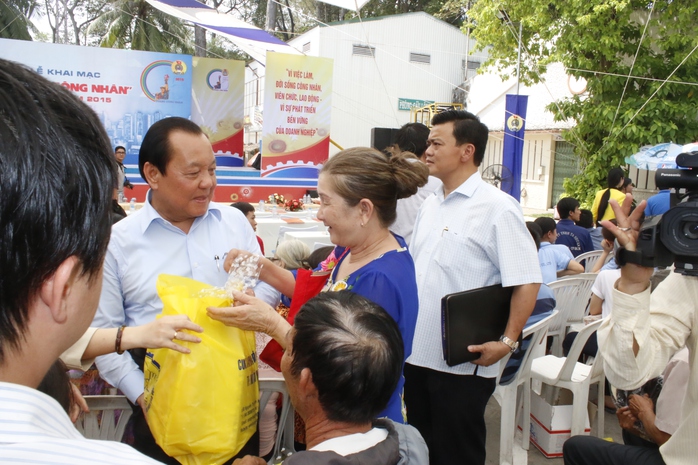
(13, 19)
(69, 20)
(597, 40)
(446, 10)
(136, 25)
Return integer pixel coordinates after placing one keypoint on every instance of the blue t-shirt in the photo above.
(390, 282)
(553, 258)
(659, 203)
(576, 238)
(596, 237)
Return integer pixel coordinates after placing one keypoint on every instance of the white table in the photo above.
(310, 238)
(127, 206)
(268, 230)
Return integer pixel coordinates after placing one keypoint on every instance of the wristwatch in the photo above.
(513, 345)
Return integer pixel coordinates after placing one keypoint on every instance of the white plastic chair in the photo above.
(507, 394)
(568, 373)
(284, 229)
(591, 259)
(572, 298)
(284, 435)
(106, 427)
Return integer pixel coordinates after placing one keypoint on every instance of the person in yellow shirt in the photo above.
(601, 209)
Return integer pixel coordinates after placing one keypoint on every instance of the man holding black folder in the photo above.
(468, 235)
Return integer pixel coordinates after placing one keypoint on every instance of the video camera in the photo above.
(673, 236)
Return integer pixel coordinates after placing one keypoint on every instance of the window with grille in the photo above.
(363, 50)
(420, 58)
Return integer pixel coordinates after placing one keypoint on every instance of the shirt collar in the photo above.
(467, 188)
(150, 214)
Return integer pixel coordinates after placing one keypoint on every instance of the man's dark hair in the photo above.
(607, 234)
(565, 206)
(546, 224)
(119, 147)
(412, 137)
(467, 129)
(244, 207)
(156, 147)
(56, 383)
(56, 182)
(586, 219)
(354, 351)
(319, 255)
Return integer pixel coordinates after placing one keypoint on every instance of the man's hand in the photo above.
(252, 314)
(78, 404)
(626, 419)
(642, 407)
(249, 460)
(634, 278)
(490, 352)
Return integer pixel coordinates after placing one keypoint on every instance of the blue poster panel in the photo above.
(129, 90)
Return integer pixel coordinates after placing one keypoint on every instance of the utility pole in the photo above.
(271, 15)
(518, 59)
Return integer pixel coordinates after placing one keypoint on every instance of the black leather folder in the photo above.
(473, 317)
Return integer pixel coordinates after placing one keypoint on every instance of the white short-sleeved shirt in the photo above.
(603, 289)
(475, 237)
(407, 209)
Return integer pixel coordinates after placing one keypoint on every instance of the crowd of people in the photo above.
(362, 360)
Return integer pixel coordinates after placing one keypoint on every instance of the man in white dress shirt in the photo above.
(178, 231)
(412, 137)
(467, 236)
(55, 193)
(645, 329)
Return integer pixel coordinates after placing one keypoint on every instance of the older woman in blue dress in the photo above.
(358, 190)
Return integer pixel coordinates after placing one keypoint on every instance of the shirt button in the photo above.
(196, 265)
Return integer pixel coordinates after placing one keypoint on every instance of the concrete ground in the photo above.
(492, 416)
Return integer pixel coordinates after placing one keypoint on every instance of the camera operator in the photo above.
(636, 342)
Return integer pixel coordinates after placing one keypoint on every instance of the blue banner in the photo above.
(129, 90)
(514, 129)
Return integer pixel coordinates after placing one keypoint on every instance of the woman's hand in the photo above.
(162, 333)
(252, 314)
(232, 255)
(634, 278)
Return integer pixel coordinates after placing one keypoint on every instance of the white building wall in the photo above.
(537, 166)
(366, 89)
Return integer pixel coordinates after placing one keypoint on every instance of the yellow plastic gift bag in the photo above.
(201, 407)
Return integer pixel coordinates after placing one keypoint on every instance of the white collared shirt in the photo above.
(144, 245)
(34, 429)
(473, 238)
(660, 323)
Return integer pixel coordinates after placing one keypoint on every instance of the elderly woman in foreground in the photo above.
(358, 190)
